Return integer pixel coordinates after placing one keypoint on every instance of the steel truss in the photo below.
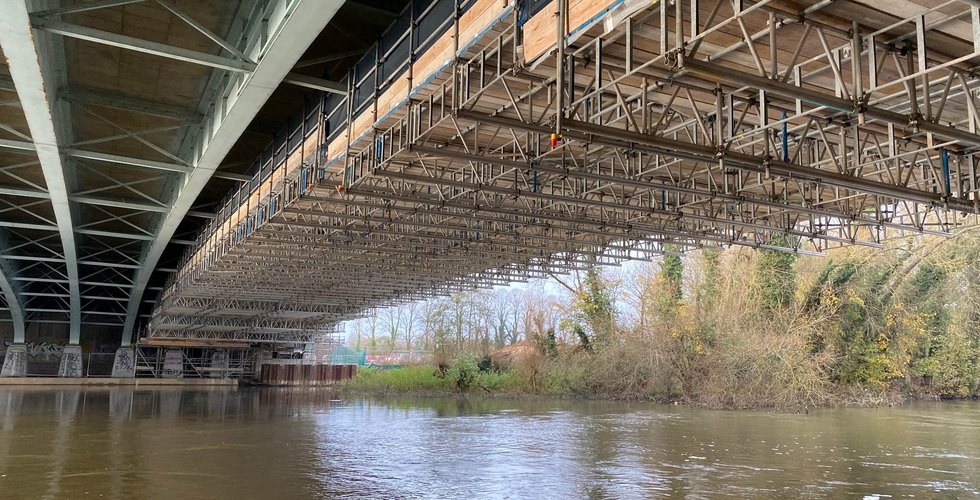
(84, 243)
(244, 335)
(697, 124)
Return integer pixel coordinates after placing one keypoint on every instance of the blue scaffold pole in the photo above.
(785, 138)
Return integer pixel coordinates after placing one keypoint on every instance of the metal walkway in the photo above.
(514, 143)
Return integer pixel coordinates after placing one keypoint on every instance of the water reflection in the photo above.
(164, 443)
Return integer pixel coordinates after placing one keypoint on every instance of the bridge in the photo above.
(464, 143)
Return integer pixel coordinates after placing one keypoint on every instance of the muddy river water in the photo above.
(288, 443)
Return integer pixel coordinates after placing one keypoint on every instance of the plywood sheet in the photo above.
(539, 31)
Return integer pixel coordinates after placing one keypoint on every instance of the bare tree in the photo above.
(457, 303)
(516, 306)
(358, 332)
(372, 323)
(410, 313)
(429, 320)
(391, 317)
(500, 305)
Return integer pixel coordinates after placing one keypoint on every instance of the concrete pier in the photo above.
(173, 364)
(15, 361)
(71, 361)
(125, 363)
(219, 364)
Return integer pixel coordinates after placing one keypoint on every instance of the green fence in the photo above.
(346, 356)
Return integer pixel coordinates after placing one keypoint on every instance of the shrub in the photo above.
(404, 379)
(463, 373)
(486, 364)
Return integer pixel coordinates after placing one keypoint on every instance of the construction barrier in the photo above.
(314, 375)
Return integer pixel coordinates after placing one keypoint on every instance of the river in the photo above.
(293, 443)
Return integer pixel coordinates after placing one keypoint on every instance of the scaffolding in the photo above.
(186, 362)
(481, 143)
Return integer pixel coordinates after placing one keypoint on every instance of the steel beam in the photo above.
(125, 103)
(312, 82)
(89, 200)
(84, 7)
(120, 160)
(24, 59)
(329, 58)
(277, 45)
(257, 337)
(717, 73)
(670, 147)
(10, 293)
(140, 45)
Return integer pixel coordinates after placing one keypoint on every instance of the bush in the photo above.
(953, 370)
(463, 373)
(404, 379)
(486, 364)
(492, 381)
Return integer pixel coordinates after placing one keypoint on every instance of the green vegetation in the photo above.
(463, 376)
(729, 329)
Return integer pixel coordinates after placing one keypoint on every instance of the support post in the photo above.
(173, 364)
(124, 366)
(15, 361)
(71, 361)
(219, 364)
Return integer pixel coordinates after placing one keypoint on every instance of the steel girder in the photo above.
(119, 159)
(275, 41)
(34, 88)
(43, 270)
(244, 335)
(12, 296)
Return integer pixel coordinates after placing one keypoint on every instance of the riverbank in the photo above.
(731, 329)
(115, 381)
(429, 381)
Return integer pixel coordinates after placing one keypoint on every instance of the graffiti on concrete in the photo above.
(14, 363)
(173, 364)
(71, 364)
(124, 360)
(41, 351)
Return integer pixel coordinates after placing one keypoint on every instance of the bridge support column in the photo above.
(15, 361)
(173, 364)
(124, 365)
(219, 364)
(71, 362)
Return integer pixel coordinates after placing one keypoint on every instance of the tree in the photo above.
(430, 320)
(709, 279)
(517, 307)
(638, 284)
(457, 309)
(410, 318)
(372, 321)
(775, 278)
(592, 309)
(501, 306)
(358, 332)
(670, 282)
(392, 321)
